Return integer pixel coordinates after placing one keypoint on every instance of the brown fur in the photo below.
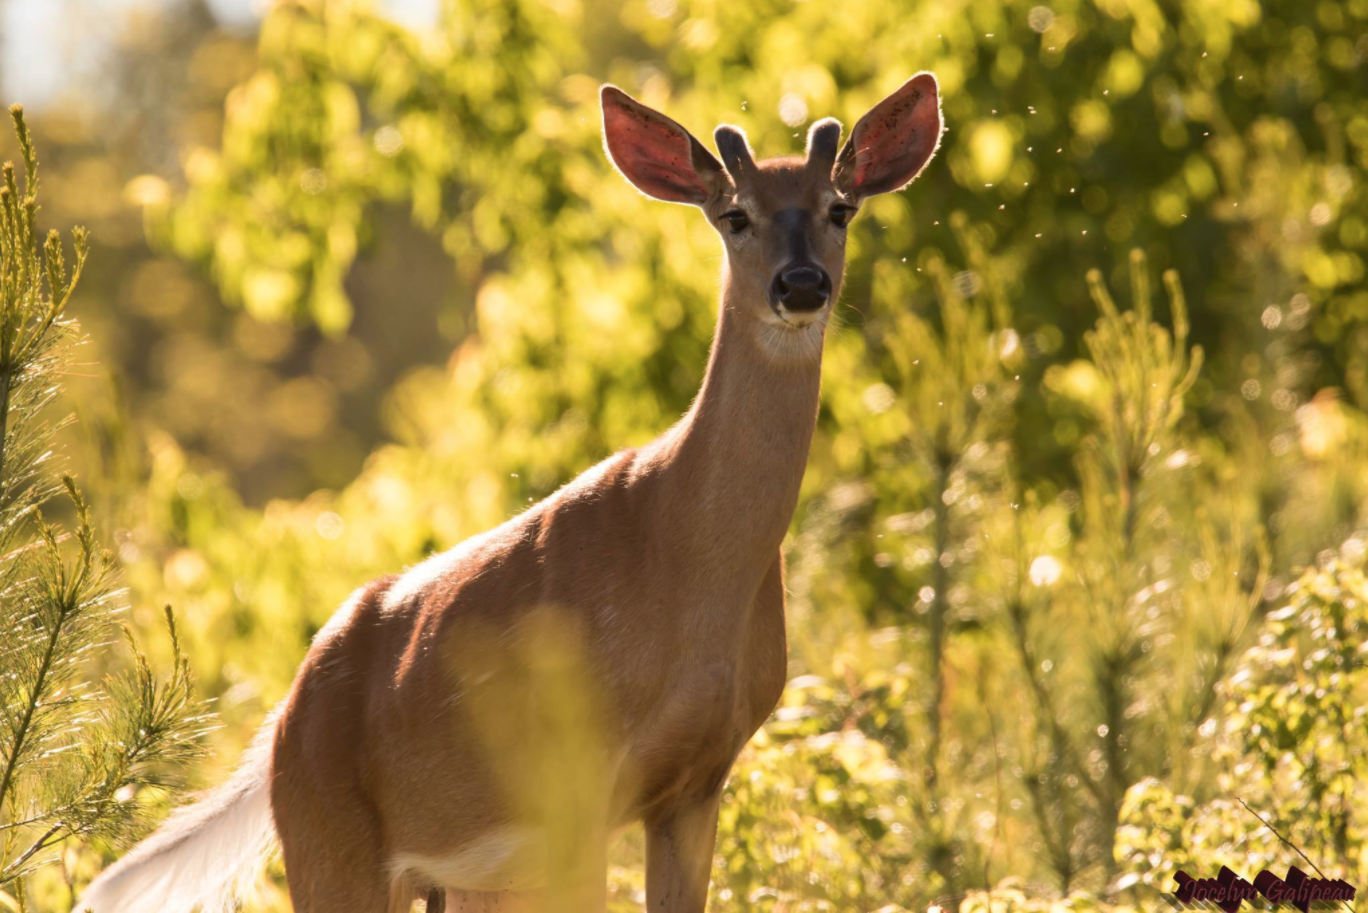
(663, 565)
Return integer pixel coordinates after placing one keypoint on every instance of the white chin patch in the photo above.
(800, 319)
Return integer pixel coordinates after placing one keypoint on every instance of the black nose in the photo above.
(802, 288)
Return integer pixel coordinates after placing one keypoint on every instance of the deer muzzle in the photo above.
(802, 287)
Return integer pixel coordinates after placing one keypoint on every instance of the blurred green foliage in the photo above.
(85, 737)
(1038, 571)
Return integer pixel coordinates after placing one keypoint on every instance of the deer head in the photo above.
(782, 220)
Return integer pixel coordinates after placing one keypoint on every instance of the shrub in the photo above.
(78, 751)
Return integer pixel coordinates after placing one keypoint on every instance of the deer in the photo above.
(608, 651)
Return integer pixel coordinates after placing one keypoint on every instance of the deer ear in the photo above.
(893, 142)
(659, 157)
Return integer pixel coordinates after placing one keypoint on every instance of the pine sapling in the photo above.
(75, 753)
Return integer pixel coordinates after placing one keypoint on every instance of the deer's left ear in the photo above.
(658, 156)
(893, 142)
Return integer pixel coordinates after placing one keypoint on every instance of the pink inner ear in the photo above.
(653, 155)
(897, 138)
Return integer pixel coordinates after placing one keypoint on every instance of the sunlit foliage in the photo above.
(1289, 748)
(76, 754)
(1048, 511)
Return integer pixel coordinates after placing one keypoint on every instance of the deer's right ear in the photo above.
(659, 157)
(893, 142)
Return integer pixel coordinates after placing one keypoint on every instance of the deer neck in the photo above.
(736, 460)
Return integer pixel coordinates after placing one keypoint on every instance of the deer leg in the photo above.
(436, 900)
(336, 871)
(679, 851)
(331, 842)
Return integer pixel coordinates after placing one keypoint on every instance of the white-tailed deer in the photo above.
(473, 730)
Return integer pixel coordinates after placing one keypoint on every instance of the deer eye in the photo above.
(840, 214)
(736, 221)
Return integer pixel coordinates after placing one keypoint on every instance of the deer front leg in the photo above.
(679, 851)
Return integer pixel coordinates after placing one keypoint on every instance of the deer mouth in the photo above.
(800, 319)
